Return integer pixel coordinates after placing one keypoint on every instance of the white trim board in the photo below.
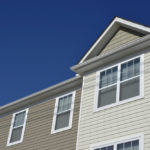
(78, 132)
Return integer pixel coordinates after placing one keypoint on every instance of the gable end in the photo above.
(121, 37)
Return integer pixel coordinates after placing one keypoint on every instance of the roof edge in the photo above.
(115, 23)
(60, 87)
(98, 61)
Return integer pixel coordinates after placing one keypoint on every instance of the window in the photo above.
(120, 83)
(130, 145)
(108, 87)
(17, 127)
(106, 148)
(135, 143)
(63, 113)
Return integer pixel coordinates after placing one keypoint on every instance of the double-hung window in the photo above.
(63, 113)
(107, 87)
(17, 127)
(126, 145)
(120, 83)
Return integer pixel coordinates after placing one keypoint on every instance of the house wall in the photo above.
(119, 121)
(122, 36)
(38, 129)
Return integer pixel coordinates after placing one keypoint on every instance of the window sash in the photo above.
(64, 104)
(62, 123)
(16, 134)
(19, 121)
(131, 69)
(137, 73)
(107, 92)
(108, 77)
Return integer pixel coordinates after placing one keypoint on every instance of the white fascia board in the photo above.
(115, 54)
(98, 40)
(58, 88)
(135, 26)
(111, 29)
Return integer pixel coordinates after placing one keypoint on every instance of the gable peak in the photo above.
(108, 33)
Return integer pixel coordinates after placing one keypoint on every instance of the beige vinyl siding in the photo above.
(38, 129)
(122, 36)
(119, 121)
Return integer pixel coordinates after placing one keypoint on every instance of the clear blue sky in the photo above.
(40, 40)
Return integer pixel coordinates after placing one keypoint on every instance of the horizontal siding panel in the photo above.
(124, 108)
(116, 117)
(96, 138)
(119, 121)
(121, 37)
(38, 129)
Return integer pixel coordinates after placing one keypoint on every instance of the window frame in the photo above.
(118, 65)
(53, 130)
(120, 140)
(23, 129)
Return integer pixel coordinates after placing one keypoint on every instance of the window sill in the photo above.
(14, 143)
(119, 103)
(60, 130)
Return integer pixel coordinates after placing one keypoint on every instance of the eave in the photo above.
(113, 55)
(50, 92)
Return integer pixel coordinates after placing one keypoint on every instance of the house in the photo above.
(46, 120)
(105, 106)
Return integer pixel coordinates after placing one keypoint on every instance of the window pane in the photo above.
(135, 145)
(16, 134)
(114, 75)
(130, 69)
(129, 89)
(110, 148)
(64, 103)
(104, 148)
(103, 79)
(120, 147)
(128, 146)
(19, 119)
(108, 77)
(137, 66)
(62, 120)
(123, 72)
(107, 96)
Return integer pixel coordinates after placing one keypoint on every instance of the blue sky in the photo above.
(41, 40)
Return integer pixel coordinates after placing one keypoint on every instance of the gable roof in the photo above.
(112, 28)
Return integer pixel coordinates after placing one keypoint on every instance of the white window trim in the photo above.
(55, 114)
(114, 142)
(118, 84)
(11, 128)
